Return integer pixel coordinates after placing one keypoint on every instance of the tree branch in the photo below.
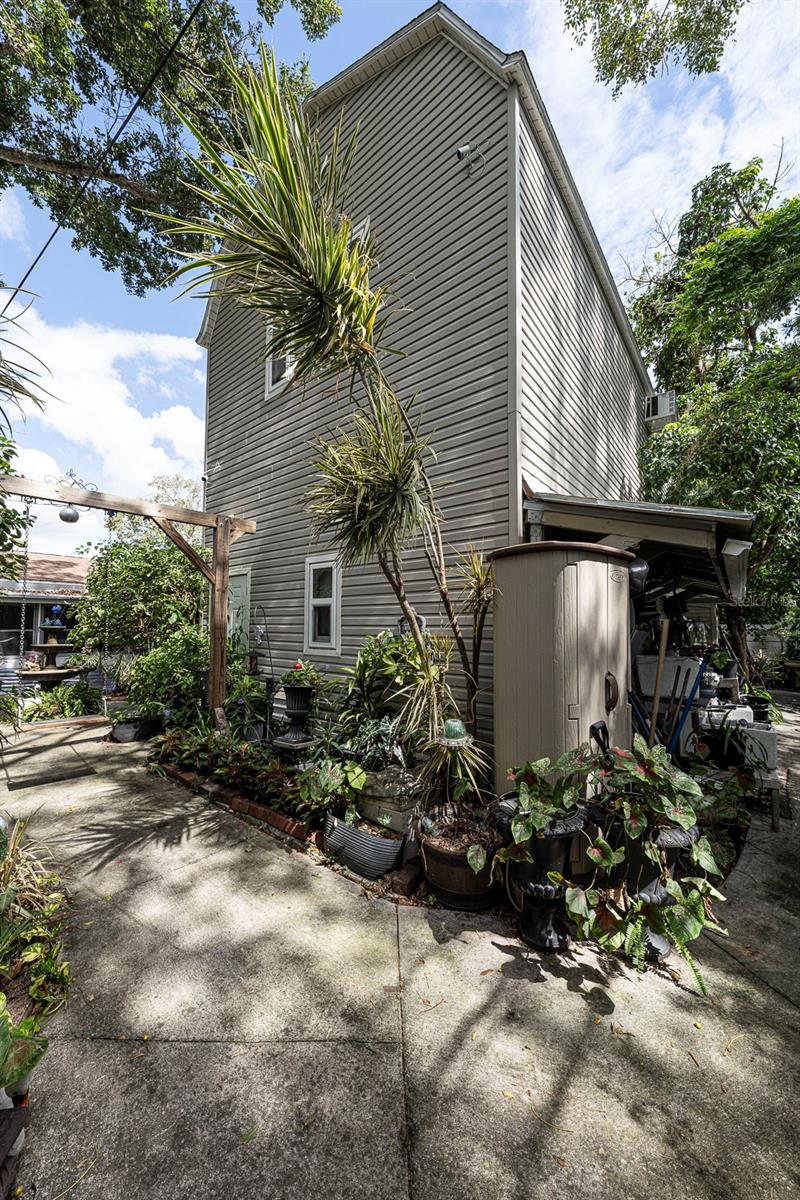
(80, 170)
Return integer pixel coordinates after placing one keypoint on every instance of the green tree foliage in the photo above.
(716, 313)
(632, 40)
(70, 69)
(18, 376)
(140, 591)
(177, 490)
(12, 522)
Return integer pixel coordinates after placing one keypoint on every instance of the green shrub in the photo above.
(31, 907)
(166, 683)
(249, 769)
(247, 701)
(65, 700)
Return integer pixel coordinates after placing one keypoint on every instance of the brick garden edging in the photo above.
(242, 804)
(404, 881)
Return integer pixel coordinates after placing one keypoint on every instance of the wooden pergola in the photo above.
(226, 530)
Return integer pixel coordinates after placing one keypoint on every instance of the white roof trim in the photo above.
(209, 317)
(507, 68)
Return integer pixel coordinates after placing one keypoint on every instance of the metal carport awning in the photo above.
(699, 551)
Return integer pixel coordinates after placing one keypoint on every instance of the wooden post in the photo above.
(662, 651)
(219, 614)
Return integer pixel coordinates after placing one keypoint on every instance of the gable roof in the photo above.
(508, 69)
(439, 20)
(50, 575)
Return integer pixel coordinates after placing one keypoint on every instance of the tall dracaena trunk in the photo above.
(372, 376)
(277, 238)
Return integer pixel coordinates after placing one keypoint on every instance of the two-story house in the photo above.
(514, 336)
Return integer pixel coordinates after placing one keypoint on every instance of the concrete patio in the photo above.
(246, 1023)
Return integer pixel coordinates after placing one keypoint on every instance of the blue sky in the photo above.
(127, 374)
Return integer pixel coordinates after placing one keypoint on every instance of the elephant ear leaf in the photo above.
(635, 821)
(679, 811)
(522, 828)
(577, 902)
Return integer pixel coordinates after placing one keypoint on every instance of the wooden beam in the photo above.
(219, 615)
(180, 541)
(20, 485)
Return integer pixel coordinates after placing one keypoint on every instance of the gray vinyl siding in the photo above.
(443, 240)
(581, 414)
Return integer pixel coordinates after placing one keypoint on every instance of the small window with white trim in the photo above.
(279, 371)
(323, 592)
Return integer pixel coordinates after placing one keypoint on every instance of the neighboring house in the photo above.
(515, 339)
(50, 579)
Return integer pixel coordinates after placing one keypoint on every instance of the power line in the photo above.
(112, 141)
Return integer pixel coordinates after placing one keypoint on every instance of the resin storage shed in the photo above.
(561, 649)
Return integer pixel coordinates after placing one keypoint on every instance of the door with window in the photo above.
(239, 610)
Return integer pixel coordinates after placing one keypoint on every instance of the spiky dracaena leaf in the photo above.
(371, 496)
(273, 224)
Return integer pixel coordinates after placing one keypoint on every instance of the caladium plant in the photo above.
(643, 793)
(546, 791)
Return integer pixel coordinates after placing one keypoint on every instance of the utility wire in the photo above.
(112, 141)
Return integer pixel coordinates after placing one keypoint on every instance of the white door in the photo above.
(239, 610)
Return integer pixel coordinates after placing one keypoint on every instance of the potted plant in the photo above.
(542, 818)
(300, 687)
(131, 724)
(392, 787)
(247, 704)
(329, 790)
(456, 836)
(636, 901)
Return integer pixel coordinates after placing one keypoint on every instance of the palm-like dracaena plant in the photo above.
(277, 240)
(275, 232)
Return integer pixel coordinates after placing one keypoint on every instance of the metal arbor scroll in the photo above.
(226, 529)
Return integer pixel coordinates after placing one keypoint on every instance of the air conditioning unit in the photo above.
(659, 409)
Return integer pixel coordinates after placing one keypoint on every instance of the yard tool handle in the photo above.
(662, 653)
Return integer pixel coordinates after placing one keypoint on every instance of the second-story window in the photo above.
(279, 371)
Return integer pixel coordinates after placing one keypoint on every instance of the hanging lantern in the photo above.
(68, 514)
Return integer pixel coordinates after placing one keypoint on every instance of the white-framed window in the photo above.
(322, 605)
(279, 371)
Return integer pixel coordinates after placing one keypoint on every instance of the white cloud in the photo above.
(13, 226)
(642, 153)
(94, 409)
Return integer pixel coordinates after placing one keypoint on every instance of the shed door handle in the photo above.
(612, 691)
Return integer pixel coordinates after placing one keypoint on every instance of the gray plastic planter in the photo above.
(393, 793)
(367, 854)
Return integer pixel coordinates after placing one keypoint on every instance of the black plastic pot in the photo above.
(367, 854)
(542, 921)
(453, 881)
(643, 877)
(135, 731)
(759, 705)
